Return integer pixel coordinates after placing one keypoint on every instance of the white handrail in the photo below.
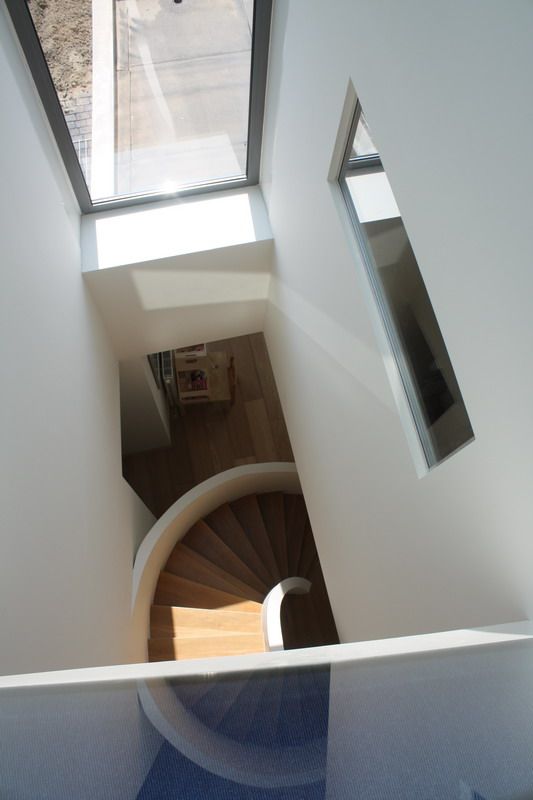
(271, 612)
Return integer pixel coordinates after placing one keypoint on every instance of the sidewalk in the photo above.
(181, 92)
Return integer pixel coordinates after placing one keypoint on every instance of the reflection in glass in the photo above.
(362, 142)
(251, 736)
(155, 93)
(432, 726)
(416, 340)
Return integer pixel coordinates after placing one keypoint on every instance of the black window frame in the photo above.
(31, 46)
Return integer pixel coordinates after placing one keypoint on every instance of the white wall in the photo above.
(69, 523)
(172, 273)
(143, 408)
(446, 88)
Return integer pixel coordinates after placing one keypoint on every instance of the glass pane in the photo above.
(452, 726)
(252, 736)
(155, 92)
(362, 143)
(65, 32)
(423, 360)
(372, 196)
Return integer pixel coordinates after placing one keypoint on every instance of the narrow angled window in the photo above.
(150, 98)
(412, 329)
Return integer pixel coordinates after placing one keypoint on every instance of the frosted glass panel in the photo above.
(456, 725)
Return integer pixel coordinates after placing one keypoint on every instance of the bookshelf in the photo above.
(202, 378)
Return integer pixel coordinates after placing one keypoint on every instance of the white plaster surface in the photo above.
(169, 274)
(150, 233)
(403, 554)
(70, 524)
(144, 414)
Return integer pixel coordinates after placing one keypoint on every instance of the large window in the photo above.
(150, 98)
(412, 329)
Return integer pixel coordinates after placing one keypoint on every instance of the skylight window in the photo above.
(150, 98)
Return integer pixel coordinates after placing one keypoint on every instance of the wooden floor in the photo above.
(210, 438)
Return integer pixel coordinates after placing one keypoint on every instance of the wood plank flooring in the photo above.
(210, 438)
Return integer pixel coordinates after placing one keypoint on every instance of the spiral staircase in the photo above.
(209, 596)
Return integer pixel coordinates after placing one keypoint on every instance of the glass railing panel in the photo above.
(434, 726)
(251, 735)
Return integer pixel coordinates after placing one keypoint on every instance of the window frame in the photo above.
(351, 165)
(36, 60)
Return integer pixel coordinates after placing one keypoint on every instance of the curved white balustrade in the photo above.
(244, 763)
(181, 516)
(271, 613)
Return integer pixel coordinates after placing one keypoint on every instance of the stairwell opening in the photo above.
(223, 412)
(205, 436)
(210, 594)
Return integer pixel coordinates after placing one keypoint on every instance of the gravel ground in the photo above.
(65, 31)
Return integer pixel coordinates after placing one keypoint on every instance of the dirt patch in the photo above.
(65, 31)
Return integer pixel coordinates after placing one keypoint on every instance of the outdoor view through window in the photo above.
(412, 329)
(155, 92)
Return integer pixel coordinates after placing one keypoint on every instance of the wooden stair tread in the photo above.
(190, 564)
(215, 705)
(272, 509)
(247, 511)
(290, 720)
(169, 649)
(208, 599)
(164, 620)
(204, 540)
(206, 633)
(308, 554)
(267, 713)
(224, 522)
(173, 590)
(326, 621)
(295, 526)
(238, 719)
(300, 624)
(320, 600)
(193, 691)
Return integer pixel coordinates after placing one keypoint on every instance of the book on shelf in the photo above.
(192, 351)
(192, 380)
